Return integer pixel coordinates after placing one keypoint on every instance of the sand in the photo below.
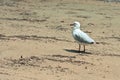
(36, 41)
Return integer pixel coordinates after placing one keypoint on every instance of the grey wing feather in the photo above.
(83, 38)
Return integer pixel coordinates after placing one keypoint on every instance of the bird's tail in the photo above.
(93, 42)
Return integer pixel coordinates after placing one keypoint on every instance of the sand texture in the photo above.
(36, 41)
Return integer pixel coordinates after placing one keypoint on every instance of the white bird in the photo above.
(81, 37)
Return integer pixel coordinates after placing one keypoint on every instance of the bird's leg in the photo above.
(79, 47)
(84, 48)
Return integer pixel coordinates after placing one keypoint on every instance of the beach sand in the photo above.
(36, 41)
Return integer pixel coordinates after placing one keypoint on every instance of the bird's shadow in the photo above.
(76, 51)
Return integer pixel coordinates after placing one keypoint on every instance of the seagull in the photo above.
(81, 37)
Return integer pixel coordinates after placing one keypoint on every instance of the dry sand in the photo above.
(36, 41)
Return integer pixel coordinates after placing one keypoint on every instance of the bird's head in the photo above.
(76, 25)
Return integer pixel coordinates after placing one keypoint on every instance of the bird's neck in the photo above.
(74, 28)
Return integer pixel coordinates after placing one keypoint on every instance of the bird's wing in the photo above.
(83, 38)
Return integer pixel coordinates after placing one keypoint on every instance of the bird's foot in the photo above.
(81, 52)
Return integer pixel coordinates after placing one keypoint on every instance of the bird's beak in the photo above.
(71, 24)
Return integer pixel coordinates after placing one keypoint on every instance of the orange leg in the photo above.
(84, 48)
(79, 47)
